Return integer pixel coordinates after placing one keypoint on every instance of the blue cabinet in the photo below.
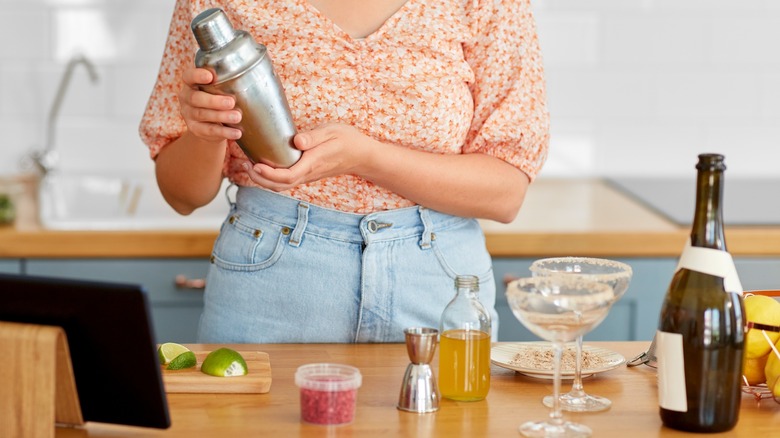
(634, 317)
(10, 266)
(758, 273)
(175, 310)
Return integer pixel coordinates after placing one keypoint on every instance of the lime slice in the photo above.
(224, 362)
(169, 351)
(182, 361)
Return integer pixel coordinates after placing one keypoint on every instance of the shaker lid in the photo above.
(212, 29)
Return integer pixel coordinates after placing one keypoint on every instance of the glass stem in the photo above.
(555, 415)
(576, 387)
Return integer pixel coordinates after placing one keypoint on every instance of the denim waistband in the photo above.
(350, 227)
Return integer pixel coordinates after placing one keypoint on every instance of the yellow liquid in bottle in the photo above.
(464, 365)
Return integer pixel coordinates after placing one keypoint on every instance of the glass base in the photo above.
(580, 403)
(546, 429)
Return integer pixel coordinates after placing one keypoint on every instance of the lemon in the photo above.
(169, 351)
(182, 361)
(763, 310)
(753, 370)
(224, 362)
(772, 371)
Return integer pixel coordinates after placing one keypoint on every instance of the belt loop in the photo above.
(231, 199)
(300, 226)
(425, 240)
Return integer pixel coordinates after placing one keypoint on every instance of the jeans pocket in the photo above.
(461, 251)
(249, 244)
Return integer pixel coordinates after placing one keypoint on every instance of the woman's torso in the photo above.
(406, 82)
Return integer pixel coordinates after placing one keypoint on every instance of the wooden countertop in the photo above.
(560, 217)
(513, 399)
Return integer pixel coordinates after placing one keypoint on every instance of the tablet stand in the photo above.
(36, 377)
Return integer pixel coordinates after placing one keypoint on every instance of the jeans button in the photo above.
(372, 226)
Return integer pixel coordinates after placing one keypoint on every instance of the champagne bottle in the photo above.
(701, 333)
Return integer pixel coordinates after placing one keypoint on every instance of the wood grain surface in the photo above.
(513, 399)
(193, 380)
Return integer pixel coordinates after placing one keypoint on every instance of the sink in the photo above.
(77, 201)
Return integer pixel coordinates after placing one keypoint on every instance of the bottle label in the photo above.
(712, 262)
(671, 371)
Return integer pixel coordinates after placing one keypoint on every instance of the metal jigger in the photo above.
(419, 392)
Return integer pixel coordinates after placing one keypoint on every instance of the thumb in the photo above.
(304, 141)
(310, 139)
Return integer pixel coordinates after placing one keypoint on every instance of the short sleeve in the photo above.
(161, 122)
(511, 120)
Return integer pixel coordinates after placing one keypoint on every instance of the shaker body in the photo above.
(243, 69)
(267, 129)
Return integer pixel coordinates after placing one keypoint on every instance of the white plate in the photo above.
(503, 355)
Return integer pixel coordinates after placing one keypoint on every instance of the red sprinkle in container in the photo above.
(328, 392)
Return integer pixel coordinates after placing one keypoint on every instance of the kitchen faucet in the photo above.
(47, 159)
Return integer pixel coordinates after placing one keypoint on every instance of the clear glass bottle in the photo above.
(700, 339)
(464, 346)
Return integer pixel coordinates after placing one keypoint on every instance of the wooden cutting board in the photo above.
(192, 380)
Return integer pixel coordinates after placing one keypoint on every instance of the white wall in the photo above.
(98, 123)
(635, 86)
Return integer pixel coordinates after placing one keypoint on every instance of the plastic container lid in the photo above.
(328, 377)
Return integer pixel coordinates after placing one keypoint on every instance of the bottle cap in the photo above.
(470, 281)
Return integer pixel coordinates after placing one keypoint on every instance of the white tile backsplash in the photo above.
(747, 41)
(635, 86)
(640, 147)
(705, 94)
(571, 38)
(24, 36)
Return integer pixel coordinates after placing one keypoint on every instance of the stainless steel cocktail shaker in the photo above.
(243, 69)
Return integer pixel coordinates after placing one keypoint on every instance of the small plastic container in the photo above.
(328, 392)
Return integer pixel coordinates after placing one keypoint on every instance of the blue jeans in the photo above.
(287, 271)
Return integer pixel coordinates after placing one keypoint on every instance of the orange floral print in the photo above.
(444, 76)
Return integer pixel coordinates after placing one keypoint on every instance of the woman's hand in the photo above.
(189, 169)
(468, 185)
(205, 113)
(329, 150)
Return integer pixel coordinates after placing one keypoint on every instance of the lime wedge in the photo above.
(224, 362)
(169, 351)
(182, 361)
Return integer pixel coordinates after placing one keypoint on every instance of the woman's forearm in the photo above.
(470, 185)
(189, 172)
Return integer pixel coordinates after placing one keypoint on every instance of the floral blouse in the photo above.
(443, 76)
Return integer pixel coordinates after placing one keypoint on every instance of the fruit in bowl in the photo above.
(772, 372)
(765, 310)
(761, 365)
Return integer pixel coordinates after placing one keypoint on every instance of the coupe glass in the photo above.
(611, 272)
(558, 308)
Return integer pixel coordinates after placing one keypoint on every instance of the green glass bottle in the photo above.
(701, 334)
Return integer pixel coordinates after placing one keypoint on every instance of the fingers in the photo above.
(200, 106)
(307, 140)
(204, 113)
(194, 77)
(273, 179)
